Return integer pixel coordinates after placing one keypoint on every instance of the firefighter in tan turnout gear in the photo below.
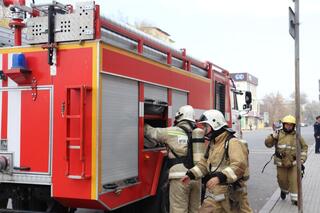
(224, 167)
(182, 198)
(285, 157)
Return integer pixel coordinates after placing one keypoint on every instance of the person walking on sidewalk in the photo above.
(224, 168)
(285, 157)
(316, 127)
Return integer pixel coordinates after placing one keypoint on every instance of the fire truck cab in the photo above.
(75, 91)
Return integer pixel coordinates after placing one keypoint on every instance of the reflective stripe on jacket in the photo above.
(176, 140)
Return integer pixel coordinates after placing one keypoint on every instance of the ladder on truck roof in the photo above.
(82, 23)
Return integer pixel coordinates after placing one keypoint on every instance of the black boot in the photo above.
(294, 202)
(283, 195)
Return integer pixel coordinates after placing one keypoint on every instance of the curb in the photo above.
(271, 202)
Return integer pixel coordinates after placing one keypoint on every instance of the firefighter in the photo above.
(182, 198)
(224, 167)
(285, 157)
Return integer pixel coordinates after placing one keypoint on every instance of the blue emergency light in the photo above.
(19, 61)
(19, 71)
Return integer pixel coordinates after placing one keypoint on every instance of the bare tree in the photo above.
(303, 98)
(311, 110)
(276, 106)
(303, 102)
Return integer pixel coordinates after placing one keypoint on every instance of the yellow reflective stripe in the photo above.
(285, 146)
(197, 171)
(243, 141)
(231, 173)
(219, 197)
(303, 153)
(173, 175)
(294, 196)
(170, 132)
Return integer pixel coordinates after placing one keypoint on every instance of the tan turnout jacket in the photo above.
(235, 167)
(287, 148)
(176, 140)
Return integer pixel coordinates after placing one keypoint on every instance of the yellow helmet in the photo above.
(289, 119)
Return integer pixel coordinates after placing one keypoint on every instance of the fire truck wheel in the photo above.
(55, 206)
(3, 203)
(3, 198)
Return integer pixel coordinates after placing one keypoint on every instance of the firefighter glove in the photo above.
(275, 134)
(190, 175)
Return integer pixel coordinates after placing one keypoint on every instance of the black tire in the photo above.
(54, 206)
(3, 203)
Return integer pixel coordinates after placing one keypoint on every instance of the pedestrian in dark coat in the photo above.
(316, 127)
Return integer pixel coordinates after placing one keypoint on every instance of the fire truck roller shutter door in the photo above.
(156, 93)
(119, 128)
(158, 96)
(179, 99)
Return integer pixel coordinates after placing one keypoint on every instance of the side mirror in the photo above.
(248, 98)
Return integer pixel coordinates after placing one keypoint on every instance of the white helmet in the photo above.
(185, 113)
(214, 118)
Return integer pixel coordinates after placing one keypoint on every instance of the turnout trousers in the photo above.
(287, 180)
(184, 198)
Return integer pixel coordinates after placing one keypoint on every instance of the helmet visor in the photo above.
(203, 118)
(178, 115)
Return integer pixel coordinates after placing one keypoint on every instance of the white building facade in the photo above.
(248, 82)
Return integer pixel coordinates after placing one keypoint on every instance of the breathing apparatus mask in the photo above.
(286, 130)
(211, 134)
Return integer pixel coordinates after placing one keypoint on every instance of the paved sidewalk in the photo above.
(310, 188)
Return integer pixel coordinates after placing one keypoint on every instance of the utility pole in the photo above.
(294, 32)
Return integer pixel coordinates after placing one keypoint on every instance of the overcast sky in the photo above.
(240, 36)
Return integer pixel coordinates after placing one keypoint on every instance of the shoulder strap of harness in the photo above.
(225, 153)
(226, 144)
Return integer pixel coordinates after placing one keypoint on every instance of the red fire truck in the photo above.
(73, 102)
